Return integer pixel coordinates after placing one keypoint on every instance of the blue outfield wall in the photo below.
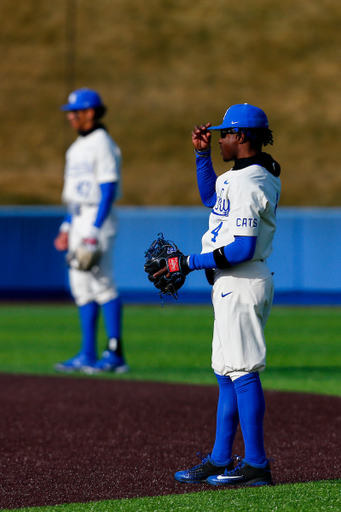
(305, 260)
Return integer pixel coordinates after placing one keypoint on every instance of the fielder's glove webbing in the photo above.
(163, 255)
(86, 256)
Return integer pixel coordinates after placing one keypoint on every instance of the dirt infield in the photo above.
(66, 440)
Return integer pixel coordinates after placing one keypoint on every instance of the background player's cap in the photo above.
(82, 99)
(243, 116)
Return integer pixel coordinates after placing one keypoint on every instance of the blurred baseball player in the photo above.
(91, 185)
(242, 225)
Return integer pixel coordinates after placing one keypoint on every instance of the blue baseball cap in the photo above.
(82, 99)
(243, 116)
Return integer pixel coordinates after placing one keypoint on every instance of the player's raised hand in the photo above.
(201, 137)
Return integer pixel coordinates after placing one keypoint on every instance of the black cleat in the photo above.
(243, 474)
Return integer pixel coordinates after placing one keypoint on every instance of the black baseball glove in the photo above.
(166, 260)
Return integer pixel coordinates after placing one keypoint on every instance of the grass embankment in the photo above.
(163, 67)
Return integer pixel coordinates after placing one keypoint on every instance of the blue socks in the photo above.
(251, 407)
(227, 421)
(241, 400)
(112, 312)
(88, 315)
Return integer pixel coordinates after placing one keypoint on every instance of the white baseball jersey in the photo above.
(242, 295)
(246, 206)
(90, 161)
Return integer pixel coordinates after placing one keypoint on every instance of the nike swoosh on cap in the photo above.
(225, 294)
(234, 122)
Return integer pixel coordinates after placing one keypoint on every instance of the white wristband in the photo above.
(93, 232)
(65, 227)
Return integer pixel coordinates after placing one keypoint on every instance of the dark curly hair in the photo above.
(100, 112)
(258, 137)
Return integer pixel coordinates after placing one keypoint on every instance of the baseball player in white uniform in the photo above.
(91, 185)
(242, 225)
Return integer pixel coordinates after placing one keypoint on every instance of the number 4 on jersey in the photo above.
(215, 232)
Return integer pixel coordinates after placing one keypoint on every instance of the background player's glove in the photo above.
(164, 259)
(86, 256)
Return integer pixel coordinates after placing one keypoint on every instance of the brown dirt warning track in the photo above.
(66, 440)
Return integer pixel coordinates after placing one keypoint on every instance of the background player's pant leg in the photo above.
(251, 408)
(81, 287)
(97, 284)
(227, 421)
(102, 279)
(80, 282)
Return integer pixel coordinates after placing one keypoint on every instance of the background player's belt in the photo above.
(76, 209)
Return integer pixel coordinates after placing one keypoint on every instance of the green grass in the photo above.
(312, 497)
(173, 344)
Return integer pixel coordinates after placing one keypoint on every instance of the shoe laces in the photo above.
(239, 466)
(203, 458)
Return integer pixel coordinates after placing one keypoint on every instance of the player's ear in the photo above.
(90, 113)
(241, 138)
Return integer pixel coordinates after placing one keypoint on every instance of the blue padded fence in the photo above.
(305, 261)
